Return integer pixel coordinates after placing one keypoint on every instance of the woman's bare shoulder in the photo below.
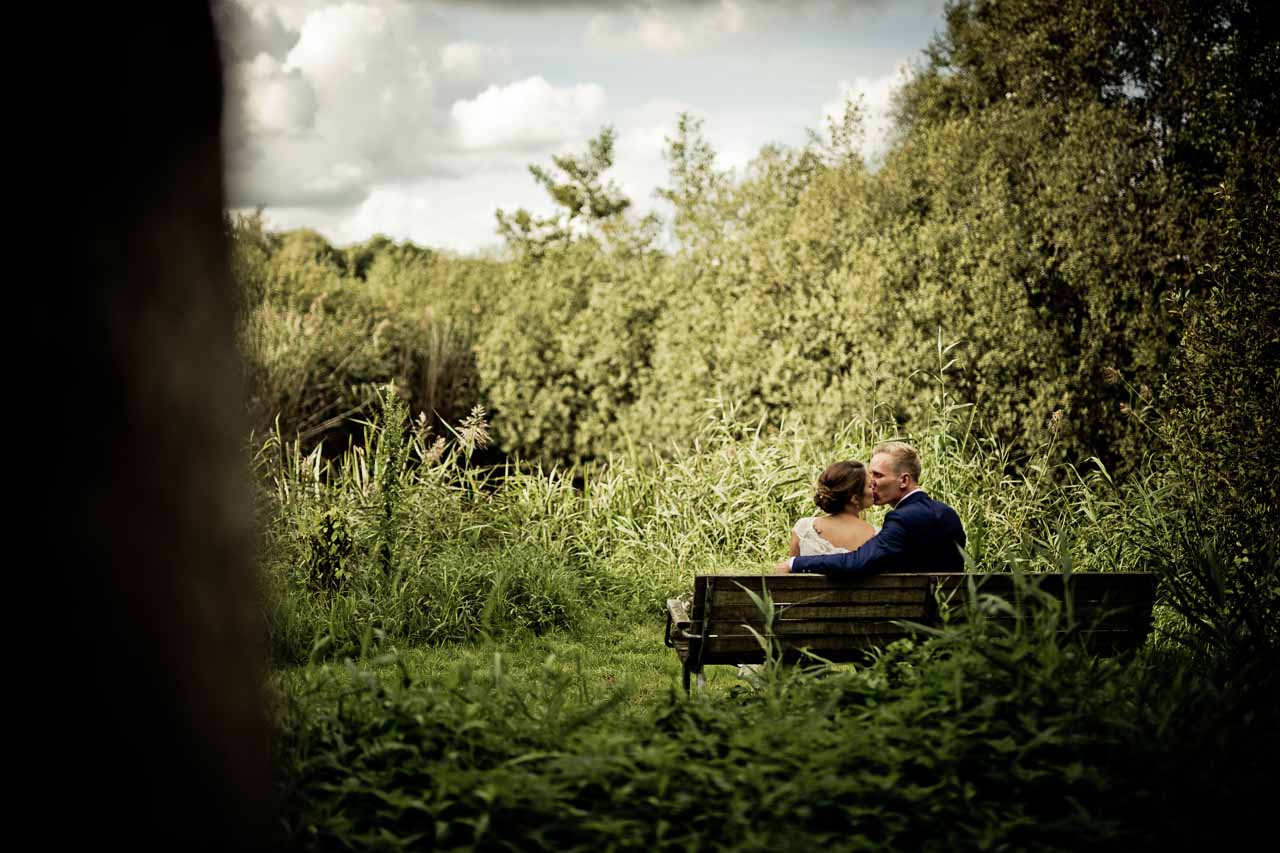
(845, 532)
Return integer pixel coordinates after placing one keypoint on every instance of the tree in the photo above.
(1111, 124)
(568, 350)
(698, 191)
(585, 201)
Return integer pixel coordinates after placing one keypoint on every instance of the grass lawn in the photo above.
(602, 658)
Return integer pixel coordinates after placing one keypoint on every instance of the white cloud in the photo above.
(657, 32)
(639, 156)
(340, 178)
(470, 58)
(287, 171)
(417, 119)
(729, 17)
(353, 102)
(529, 113)
(443, 212)
(875, 96)
(664, 31)
(247, 30)
(335, 41)
(272, 99)
(440, 212)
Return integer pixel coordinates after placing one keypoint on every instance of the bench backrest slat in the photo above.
(839, 618)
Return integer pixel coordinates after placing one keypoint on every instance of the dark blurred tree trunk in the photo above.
(143, 627)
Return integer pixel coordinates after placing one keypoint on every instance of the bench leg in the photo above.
(701, 680)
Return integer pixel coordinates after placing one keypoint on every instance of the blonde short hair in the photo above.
(905, 458)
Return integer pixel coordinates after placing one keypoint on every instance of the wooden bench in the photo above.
(839, 618)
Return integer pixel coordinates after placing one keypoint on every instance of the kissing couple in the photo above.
(920, 534)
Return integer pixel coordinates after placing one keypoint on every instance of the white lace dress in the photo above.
(812, 544)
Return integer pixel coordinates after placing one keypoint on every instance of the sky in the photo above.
(418, 119)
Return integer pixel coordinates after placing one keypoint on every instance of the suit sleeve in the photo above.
(880, 552)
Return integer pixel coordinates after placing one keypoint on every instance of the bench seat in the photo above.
(839, 618)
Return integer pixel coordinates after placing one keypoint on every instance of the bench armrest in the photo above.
(677, 618)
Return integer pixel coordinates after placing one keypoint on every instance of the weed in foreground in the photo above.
(987, 736)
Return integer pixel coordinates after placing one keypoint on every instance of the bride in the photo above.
(844, 491)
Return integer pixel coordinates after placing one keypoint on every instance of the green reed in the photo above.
(402, 539)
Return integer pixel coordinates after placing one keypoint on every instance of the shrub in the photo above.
(323, 328)
(415, 545)
(985, 737)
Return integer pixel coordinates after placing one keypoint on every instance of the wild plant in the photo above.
(993, 733)
(396, 544)
(1224, 591)
(437, 547)
(390, 453)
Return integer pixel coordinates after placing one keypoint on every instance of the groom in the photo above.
(919, 535)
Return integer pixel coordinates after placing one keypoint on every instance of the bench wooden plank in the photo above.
(740, 650)
(729, 642)
(825, 611)
(1119, 585)
(733, 647)
(730, 597)
(1081, 610)
(839, 618)
(797, 582)
(804, 628)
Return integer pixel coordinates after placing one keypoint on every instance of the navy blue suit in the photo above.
(919, 535)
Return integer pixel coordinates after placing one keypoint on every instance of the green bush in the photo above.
(985, 738)
(323, 328)
(391, 543)
(380, 546)
(1050, 200)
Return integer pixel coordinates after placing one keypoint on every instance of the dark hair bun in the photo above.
(829, 501)
(841, 484)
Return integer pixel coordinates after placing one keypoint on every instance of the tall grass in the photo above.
(391, 542)
(988, 737)
(321, 329)
(401, 539)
